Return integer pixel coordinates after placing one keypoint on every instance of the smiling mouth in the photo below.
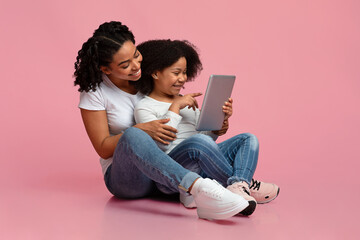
(136, 74)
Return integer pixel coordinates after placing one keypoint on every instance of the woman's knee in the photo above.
(132, 132)
(134, 135)
(134, 191)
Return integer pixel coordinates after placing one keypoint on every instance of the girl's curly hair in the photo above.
(98, 51)
(160, 54)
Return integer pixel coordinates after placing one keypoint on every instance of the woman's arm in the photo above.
(145, 113)
(96, 126)
(159, 130)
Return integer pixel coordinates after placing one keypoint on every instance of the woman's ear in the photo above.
(105, 70)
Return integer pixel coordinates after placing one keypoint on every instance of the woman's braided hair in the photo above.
(98, 51)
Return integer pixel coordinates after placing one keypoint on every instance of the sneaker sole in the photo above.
(189, 205)
(204, 214)
(269, 200)
(249, 210)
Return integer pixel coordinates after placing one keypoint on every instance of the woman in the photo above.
(131, 161)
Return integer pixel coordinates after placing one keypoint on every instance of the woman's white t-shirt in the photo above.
(119, 107)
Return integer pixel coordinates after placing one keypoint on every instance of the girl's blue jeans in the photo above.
(139, 164)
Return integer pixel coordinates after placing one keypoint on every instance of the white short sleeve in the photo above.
(91, 100)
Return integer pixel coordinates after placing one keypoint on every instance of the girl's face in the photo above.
(125, 64)
(171, 80)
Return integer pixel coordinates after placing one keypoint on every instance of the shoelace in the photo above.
(255, 184)
(217, 192)
(243, 188)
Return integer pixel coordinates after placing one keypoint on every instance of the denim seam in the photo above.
(209, 170)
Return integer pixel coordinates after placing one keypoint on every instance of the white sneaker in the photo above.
(239, 188)
(213, 201)
(187, 200)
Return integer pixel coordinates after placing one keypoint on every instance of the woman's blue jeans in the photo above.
(139, 165)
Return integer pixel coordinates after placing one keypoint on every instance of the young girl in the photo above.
(167, 65)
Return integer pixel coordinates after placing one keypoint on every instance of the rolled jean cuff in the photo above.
(235, 179)
(187, 181)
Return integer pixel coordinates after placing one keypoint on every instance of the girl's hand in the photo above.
(181, 102)
(223, 129)
(158, 130)
(227, 108)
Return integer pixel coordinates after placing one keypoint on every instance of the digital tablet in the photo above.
(218, 91)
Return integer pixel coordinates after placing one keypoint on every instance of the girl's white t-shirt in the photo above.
(119, 107)
(149, 109)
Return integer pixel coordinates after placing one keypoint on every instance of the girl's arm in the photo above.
(144, 114)
(96, 126)
(187, 100)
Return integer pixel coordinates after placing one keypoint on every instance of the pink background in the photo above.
(297, 89)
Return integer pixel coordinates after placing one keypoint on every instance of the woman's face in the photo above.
(171, 80)
(125, 64)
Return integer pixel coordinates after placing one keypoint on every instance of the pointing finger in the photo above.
(195, 94)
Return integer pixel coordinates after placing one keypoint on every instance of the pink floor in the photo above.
(69, 206)
(297, 89)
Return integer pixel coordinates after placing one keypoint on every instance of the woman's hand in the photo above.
(181, 102)
(158, 130)
(227, 109)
